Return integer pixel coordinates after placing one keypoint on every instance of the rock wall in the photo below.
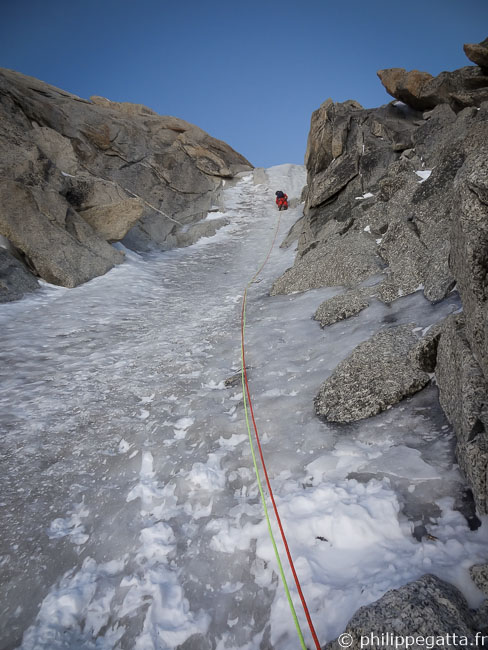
(77, 175)
(401, 191)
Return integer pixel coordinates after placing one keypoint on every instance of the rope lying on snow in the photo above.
(248, 409)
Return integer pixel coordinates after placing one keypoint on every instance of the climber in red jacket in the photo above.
(281, 200)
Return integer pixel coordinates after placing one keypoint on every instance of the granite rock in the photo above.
(340, 307)
(478, 53)
(377, 374)
(479, 575)
(15, 279)
(463, 394)
(113, 221)
(467, 86)
(93, 172)
(338, 261)
(427, 607)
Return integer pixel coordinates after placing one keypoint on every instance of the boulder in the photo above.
(15, 279)
(377, 374)
(428, 608)
(478, 54)
(341, 307)
(406, 86)
(467, 86)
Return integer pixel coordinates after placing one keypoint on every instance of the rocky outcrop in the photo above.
(402, 191)
(335, 261)
(77, 175)
(420, 90)
(379, 373)
(428, 608)
(478, 53)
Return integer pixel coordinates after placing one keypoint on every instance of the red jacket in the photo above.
(282, 200)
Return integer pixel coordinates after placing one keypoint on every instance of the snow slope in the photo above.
(130, 512)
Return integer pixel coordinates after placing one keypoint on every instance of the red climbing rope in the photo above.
(275, 508)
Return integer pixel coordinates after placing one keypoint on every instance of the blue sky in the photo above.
(249, 72)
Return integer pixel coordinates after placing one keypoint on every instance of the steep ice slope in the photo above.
(130, 513)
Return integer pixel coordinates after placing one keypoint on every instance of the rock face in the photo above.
(379, 373)
(428, 607)
(59, 244)
(402, 190)
(77, 175)
(463, 392)
(113, 221)
(15, 280)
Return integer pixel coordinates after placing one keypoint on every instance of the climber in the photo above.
(281, 200)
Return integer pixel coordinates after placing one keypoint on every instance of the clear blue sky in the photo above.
(249, 72)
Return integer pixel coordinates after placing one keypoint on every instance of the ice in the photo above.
(181, 427)
(131, 515)
(124, 446)
(402, 461)
(71, 526)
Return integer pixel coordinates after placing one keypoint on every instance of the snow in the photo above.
(366, 195)
(289, 178)
(128, 494)
(212, 216)
(424, 174)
